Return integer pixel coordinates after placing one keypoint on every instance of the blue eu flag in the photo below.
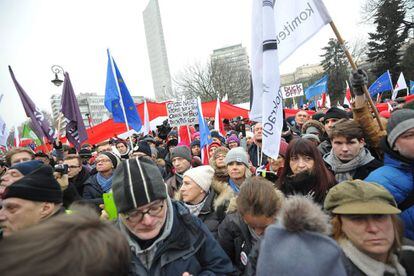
(205, 135)
(383, 83)
(117, 98)
(411, 87)
(317, 88)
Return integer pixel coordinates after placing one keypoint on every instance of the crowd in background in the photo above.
(338, 200)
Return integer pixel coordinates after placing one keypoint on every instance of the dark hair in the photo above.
(75, 244)
(73, 156)
(347, 128)
(259, 197)
(10, 154)
(323, 177)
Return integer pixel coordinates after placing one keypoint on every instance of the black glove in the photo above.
(358, 79)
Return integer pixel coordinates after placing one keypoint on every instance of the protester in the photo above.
(17, 172)
(3, 167)
(257, 157)
(43, 157)
(18, 155)
(349, 158)
(123, 149)
(304, 171)
(255, 208)
(233, 141)
(397, 173)
(212, 147)
(181, 160)
(301, 117)
(104, 146)
(220, 182)
(76, 244)
(366, 227)
(30, 200)
(100, 183)
(273, 169)
(331, 116)
(299, 243)
(313, 127)
(237, 162)
(165, 239)
(77, 173)
(198, 196)
(195, 148)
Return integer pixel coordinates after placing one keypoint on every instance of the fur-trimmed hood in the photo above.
(301, 213)
(313, 123)
(224, 194)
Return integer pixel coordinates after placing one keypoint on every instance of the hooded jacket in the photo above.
(397, 176)
(185, 246)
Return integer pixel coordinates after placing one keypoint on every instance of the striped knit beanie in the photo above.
(137, 182)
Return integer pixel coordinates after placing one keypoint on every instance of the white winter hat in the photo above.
(202, 176)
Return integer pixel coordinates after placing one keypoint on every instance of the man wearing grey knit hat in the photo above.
(165, 239)
(397, 173)
(181, 161)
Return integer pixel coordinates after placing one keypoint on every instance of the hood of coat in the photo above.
(300, 213)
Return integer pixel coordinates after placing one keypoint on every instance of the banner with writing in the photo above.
(182, 113)
(291, 91)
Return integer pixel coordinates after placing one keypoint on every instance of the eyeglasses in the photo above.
(137, 215)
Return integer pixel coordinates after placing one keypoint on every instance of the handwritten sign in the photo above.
(181, 113)
(291, 91)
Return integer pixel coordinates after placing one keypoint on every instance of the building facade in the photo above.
(232, 63)
(91, 106)
(157, 53)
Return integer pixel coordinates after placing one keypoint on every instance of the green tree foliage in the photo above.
(408, 63)
(335, 65)
(384, 45)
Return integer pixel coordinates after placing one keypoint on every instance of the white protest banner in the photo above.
(291, 91)
(296, 22)
(181, 113)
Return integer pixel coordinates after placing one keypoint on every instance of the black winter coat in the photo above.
(208, 215)
(79, 180)
(254, 152)
(190, 247)
(92, 191)
(236, 240)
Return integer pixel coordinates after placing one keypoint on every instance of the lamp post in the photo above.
(57, 70)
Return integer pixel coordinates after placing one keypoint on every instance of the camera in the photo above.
(62, 168)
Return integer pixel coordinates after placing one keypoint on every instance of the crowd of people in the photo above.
(338, 200)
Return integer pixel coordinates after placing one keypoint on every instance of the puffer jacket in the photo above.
(397, 176)
(189, 247)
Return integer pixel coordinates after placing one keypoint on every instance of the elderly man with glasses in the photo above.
(164, 237)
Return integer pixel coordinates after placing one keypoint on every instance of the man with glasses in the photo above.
(165, 239)
(77, 174)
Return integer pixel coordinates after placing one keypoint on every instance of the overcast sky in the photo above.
(36, 34)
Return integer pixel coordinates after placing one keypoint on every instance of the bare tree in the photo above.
(195, 81)
(212, 80)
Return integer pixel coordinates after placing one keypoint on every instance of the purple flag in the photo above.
(41, 125)
(75, 128)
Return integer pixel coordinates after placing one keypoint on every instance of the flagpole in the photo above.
(121, 101)
(354, 67)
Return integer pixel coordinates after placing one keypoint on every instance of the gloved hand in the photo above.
(358, 79)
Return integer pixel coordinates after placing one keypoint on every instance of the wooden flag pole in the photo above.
(354, 67)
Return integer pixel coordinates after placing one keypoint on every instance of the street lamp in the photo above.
(57, 70)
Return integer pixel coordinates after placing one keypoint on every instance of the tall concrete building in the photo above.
(157, 53)
(91, 106)
(232, 62)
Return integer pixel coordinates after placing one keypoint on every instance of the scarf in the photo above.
(196, 208)
(255, 237)
(303, 183)
(346, 171)
(234, 186)
(105, 183)
(368, 265)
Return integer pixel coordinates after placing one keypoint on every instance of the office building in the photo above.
(157, 52)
